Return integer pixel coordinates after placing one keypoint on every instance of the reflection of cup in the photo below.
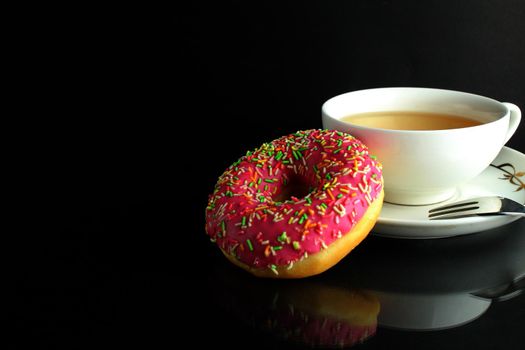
(436, 311)
(429, 311)
(426, 165)
(423, 285)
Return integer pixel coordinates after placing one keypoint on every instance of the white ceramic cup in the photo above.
(426, 166)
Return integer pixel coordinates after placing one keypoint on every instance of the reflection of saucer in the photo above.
(505, 177)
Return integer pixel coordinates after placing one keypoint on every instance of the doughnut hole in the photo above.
(298, 186)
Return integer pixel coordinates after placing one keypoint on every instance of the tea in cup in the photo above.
(430, 141)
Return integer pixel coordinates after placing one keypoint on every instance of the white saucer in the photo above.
(505, 177)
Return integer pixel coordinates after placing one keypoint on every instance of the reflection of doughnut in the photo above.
(296, 206)
(325, 316)
(308, 311)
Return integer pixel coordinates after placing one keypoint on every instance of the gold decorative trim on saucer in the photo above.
(511, 176)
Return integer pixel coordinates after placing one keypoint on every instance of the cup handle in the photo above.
(514, 121)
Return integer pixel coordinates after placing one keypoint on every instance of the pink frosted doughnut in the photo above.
(296, 206)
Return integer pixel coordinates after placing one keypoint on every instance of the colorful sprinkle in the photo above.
(283, 237)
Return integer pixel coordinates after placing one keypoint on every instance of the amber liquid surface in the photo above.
(410, 120)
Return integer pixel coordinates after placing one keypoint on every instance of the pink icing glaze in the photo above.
(246, 220)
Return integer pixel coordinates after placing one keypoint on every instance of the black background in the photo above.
(232, 75)
(148, 107)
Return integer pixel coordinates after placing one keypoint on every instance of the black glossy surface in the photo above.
(144, 289)
(119, 256)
